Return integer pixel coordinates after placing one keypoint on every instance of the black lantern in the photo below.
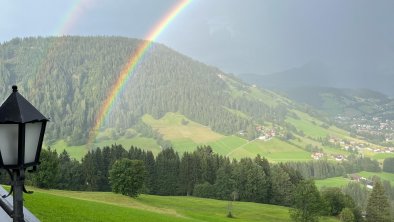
(22, 129)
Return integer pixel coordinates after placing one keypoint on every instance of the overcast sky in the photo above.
(238, 36)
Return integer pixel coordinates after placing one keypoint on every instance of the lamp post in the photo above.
(22, 129)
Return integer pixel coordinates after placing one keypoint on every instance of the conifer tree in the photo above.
(282, 188)
(225, 182)
(150, 166)
(167, 165)
(378, 208)
(307, 202)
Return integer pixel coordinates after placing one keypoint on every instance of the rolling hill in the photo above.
(170, 100)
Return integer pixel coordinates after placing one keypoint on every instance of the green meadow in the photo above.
(78, 152)
(56, 205)
(185, 135)
(275, 150)
(332, 182)
(171, 127)
(382, 175)
(382, 156)
(341, 181)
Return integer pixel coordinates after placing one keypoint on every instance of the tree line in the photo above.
(203, 173)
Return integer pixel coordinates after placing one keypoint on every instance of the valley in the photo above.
(231, 129)
(171, 101)
(197, 111)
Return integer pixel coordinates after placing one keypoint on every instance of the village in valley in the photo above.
(370, 127)
(386, 127)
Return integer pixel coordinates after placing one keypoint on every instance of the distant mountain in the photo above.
(319, 74)
(348, 102)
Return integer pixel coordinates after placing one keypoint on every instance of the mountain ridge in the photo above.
(68, 78)
(320, 74)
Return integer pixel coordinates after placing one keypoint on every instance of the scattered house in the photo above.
(354, 177)
(317, 155)
(265, 133)
(259, 128)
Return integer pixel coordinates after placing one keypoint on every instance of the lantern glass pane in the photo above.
(9, 143)
(32, 136)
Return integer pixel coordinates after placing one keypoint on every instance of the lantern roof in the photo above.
(16, 109)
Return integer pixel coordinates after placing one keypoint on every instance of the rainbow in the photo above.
(65, 25)
(131, 66)
(71, 17)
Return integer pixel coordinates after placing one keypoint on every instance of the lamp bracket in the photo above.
(12, 187)
(25, 191)
(33, 169)
(9, 194)
(22, 177)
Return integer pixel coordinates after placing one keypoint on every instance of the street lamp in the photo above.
(22, 129)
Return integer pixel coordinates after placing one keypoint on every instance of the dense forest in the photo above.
(203, 173)
(68, 78)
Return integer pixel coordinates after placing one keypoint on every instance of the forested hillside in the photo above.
(68, 78)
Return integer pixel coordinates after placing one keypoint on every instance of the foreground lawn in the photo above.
(54, 205)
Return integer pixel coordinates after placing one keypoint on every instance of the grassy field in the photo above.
(381, 156)
(274, 150)
(341, 181)
(332, 182)
(227, 144)
(78, 152)
(171, 127)
(186, 137)
(309, 128)
(313, 128)
(382, 175)
(55, 205)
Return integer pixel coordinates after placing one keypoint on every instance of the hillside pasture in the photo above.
(274, 150)
(382, 175)
(332, 182)
(175, 126)
(78, 152)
